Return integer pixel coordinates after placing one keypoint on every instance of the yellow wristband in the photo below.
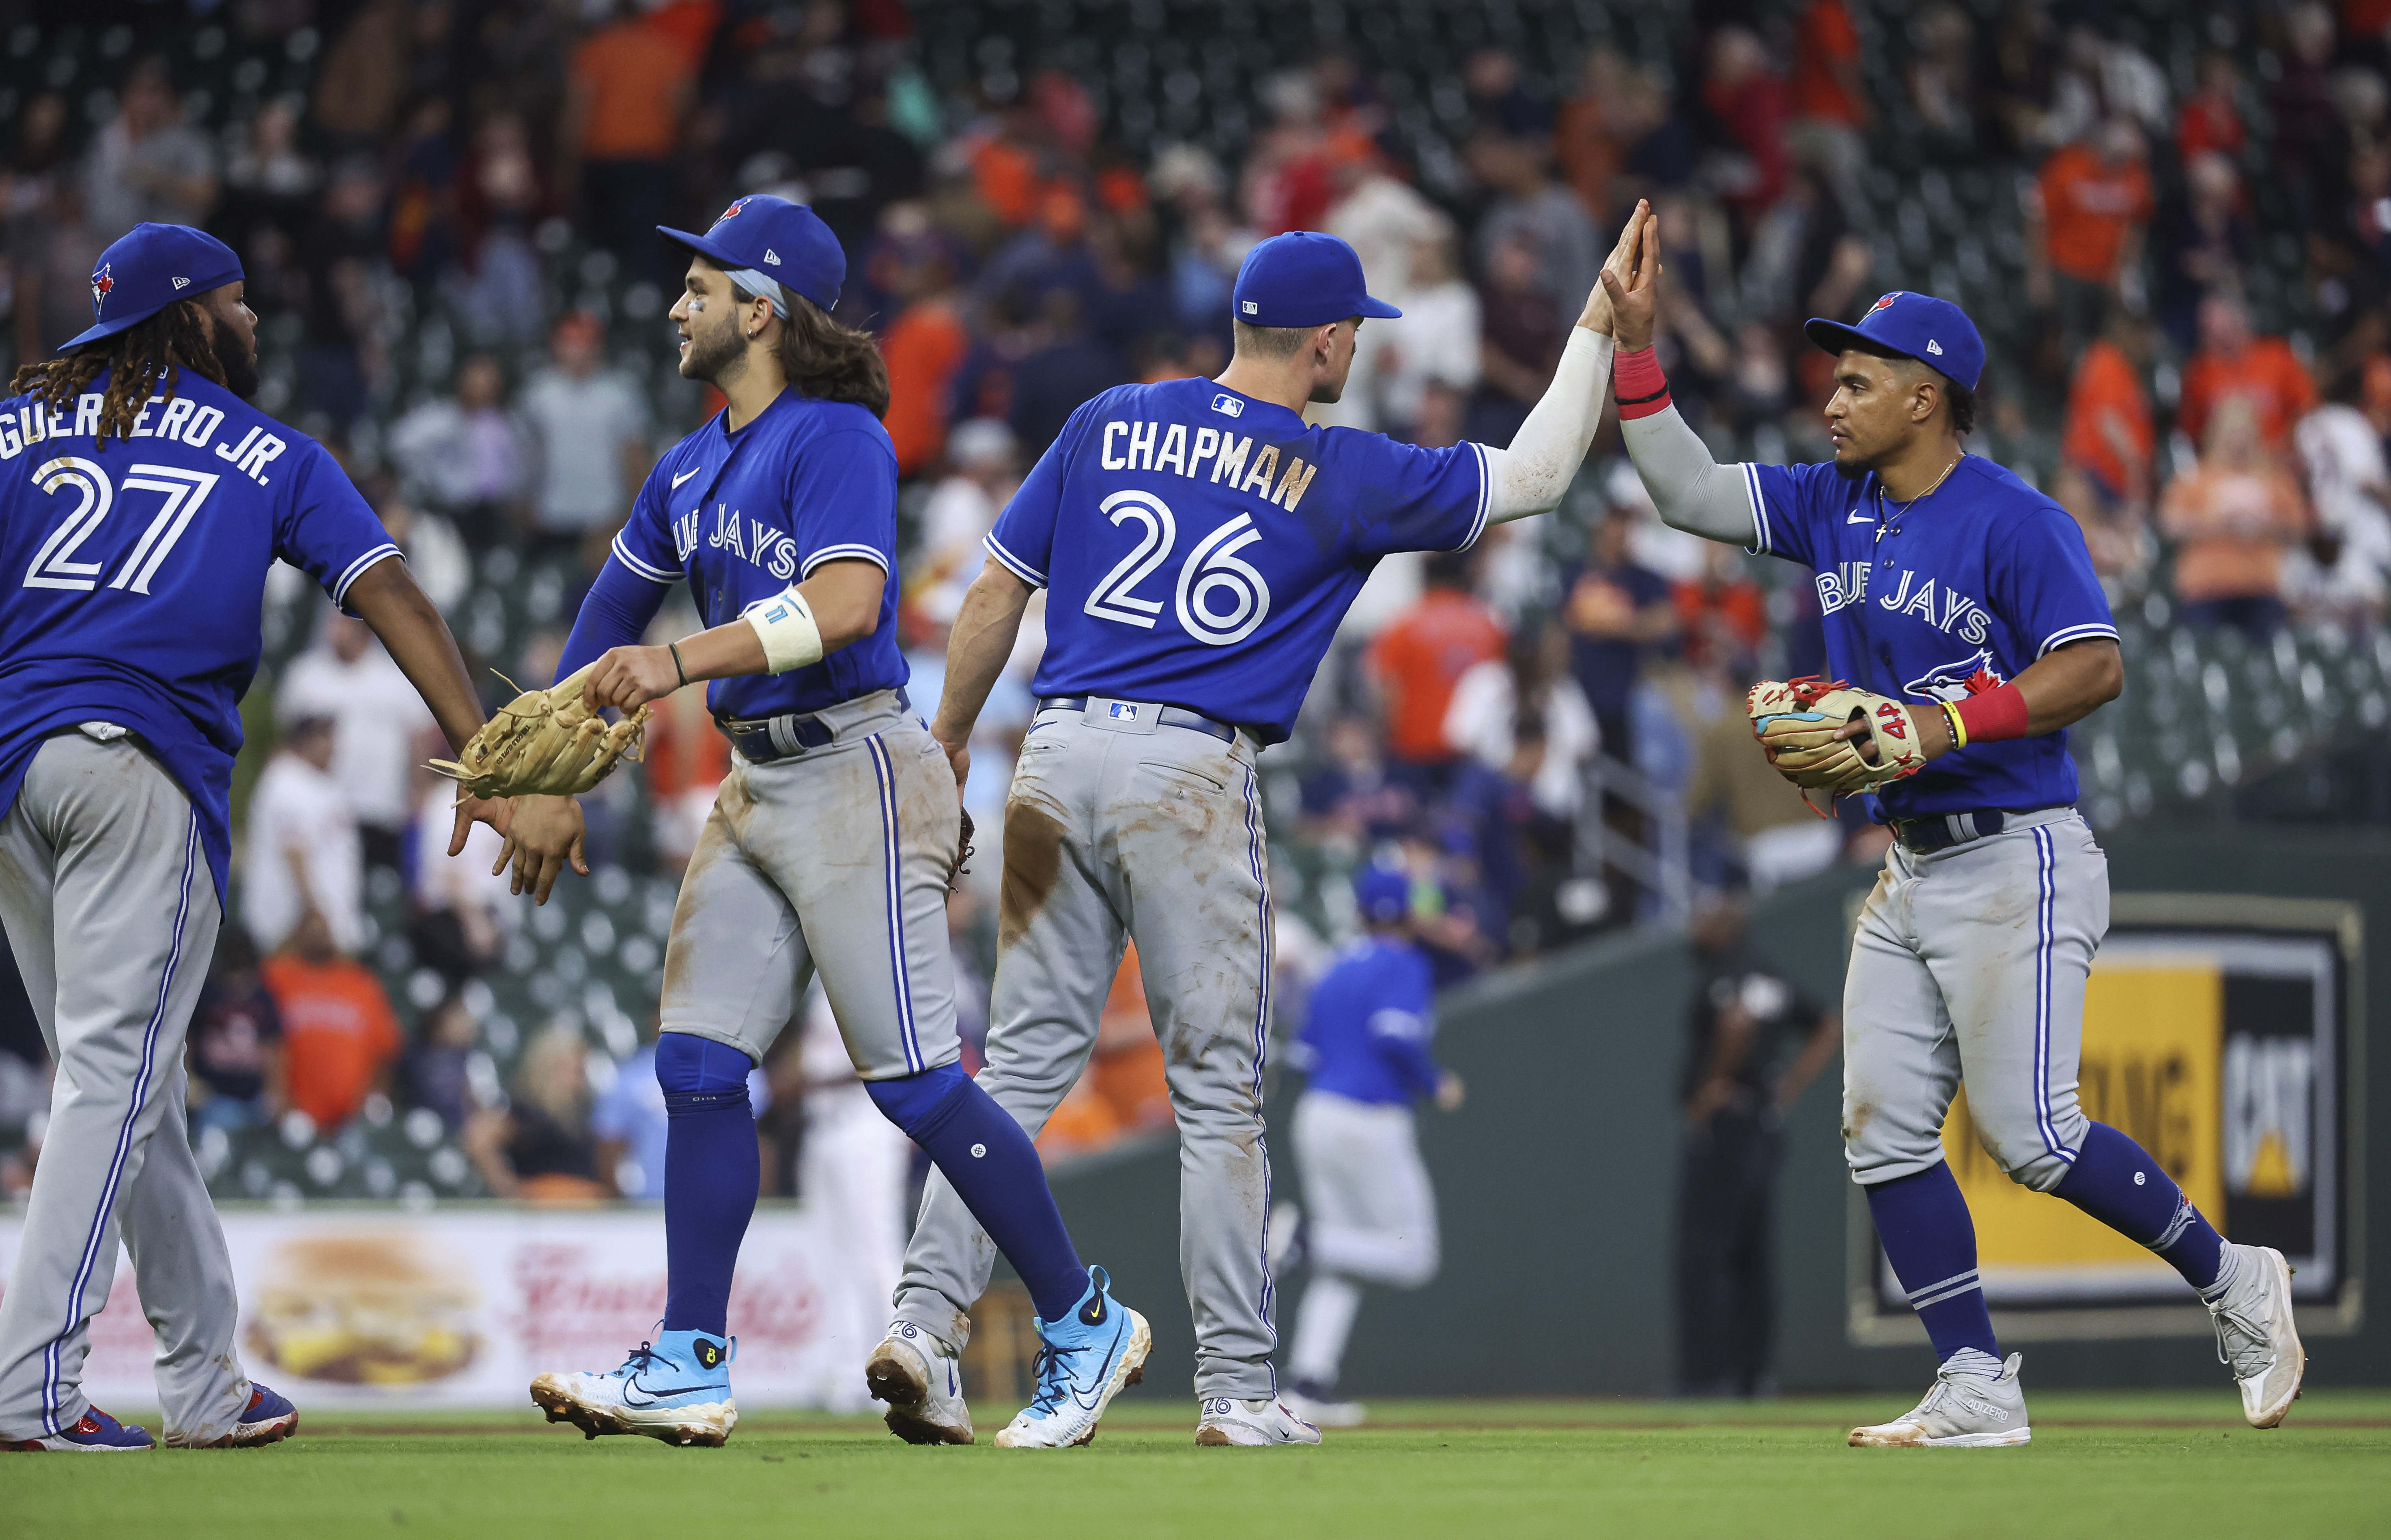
(1959, 728)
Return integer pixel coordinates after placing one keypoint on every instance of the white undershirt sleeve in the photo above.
(1535, 472)
(1693, 492)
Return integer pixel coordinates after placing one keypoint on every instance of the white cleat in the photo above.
(1227, 1423)
(917, 1375)
(1094, 1353)
(2256, 1337)
(1963, 1411)
(1326, 1411)
(677, 1391)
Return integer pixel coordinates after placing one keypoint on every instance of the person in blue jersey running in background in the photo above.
(142, 500)
(1369, 1213)
(1200, 542)
(832, 843)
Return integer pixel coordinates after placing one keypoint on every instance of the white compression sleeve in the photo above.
(1533, 474)
(1693, 492)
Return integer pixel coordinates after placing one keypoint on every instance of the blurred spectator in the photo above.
(2109, 436)
(1742, 92)
(925, 345)
(376, 717)
(1520, 343)
(1499, 99)
(1523, 716)
(1745, 1017)
(2205, 240)
(1349, 800)
(587, 428)
(2209, 122)
(2233, 365)
(2308, 143)
(56, 254)
(236, 1041)
(338, 1037)
(269, 178)
(1828, 103)
(631, 82)
(1420, 657)
(1065, 366)
(304, 854)
(960, 511)
(365, 72)
(1617, 613)
(465, 453)
(1940, 75)
(1544, 218)
(2233, 520)
(437, 1069)
(1433, 346)
(462, 912)
(539, 1148)
(1588, 150)
(2094, 200)
(495, 287)
(1721, 614)
(145, 165)
(2341, 447)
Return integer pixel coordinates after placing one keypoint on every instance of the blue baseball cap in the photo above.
(149, 268)
(1382, 893)
(1304, 278)
(1935, 333)
(786, 242)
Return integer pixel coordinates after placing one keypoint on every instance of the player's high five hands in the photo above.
(1633, 251)
(1633, 296)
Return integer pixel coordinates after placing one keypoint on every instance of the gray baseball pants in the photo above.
(835, 860)
(112, 914)
(1120, 829)
(1970, 964)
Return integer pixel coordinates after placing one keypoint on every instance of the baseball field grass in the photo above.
(2116, 1465)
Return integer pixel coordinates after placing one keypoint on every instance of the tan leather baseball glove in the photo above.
(544, 743)
(1800, 723)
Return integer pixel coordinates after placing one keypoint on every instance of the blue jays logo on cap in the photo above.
(1932, 330)
(760, 231)
(101, 287)
(147, 269)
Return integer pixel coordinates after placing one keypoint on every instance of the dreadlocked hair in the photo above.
(142, 361)
(829, 360)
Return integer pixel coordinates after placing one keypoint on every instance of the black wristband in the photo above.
(674, 648)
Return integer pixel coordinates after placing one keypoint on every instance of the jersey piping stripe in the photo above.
(843, 553)
(2074, 633)
(1255, 846)
(2046, 941)
(50, 1367)
(648, 570)
(1015, 565)
(357, 567)
(896, 896)
(1485, 498)
(1760, 542)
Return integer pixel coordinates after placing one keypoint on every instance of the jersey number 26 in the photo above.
(1220, 600)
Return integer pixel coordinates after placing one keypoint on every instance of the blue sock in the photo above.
(996, 1171)
(1928, 1234)
(2115, 1181)
(711, 1171)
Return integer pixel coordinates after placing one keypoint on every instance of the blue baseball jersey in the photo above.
(1201, 546)
(742, 515)
(133, 575)
(1959, 591)
(1372, 1021)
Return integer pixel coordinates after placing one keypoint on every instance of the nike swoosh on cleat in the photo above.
(656, 1396)
(684, 476)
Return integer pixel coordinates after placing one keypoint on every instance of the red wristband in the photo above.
(1993, 716)
(1639, 385)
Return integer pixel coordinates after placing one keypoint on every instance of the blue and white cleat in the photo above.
(268, 1418)
(94, 1434)
(918, 1375)
(677, 1388)
(1088, 1358)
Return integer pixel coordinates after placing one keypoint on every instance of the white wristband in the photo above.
(785, 624)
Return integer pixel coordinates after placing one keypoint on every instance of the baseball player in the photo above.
(1200, 541)
(1961, 603)
(832, 841)
(1370, 1213)
(141, 502)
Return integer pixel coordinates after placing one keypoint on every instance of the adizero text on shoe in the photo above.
(1963, 1411)
(1090, 1356)
(677, 1389)
(94, 1434)
(2256, 1336)
(1224, 1422)
(918, 1379)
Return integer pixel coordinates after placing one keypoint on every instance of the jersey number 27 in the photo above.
(55, 566)
(1212, 571)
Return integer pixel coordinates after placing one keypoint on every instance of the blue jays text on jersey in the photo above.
(133, 574)
(1959, 591)
(743, 515)
(1200, 546)
(1371, 1024)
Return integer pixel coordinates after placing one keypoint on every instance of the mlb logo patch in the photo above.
(1228, 406)
(1123, 711)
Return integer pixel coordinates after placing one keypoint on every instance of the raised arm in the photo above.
(1692, 492)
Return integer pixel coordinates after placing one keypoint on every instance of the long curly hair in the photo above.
(829, 360)
(142, 359)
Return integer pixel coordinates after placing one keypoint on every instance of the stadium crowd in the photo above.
(2196, 362)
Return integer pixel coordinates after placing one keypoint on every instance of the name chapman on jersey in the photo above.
(1233, 458)
(182, 420)
(1949, 611)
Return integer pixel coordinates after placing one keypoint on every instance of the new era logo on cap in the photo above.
(771, 257)
(1251, 308)
(182, 283)
(1934, 347)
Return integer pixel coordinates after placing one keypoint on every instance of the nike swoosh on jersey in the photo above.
(684, 476)
(1856, 516)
